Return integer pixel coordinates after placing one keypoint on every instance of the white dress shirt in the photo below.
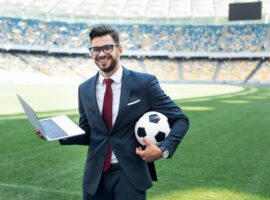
(116, 90)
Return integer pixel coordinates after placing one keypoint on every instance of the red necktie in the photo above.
(107, 117)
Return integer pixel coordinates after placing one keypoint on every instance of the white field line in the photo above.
(59, 173)
(39, 189)
(248, 91)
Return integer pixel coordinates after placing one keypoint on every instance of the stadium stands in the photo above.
(196, 38)
(236, 71)
(200, 70)
(65, 68)
(263, 74)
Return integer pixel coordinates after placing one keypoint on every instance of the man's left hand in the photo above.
(151, 152)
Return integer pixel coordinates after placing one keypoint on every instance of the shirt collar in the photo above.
(116, 77)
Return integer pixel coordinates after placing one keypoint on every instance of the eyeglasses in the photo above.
(108, 48)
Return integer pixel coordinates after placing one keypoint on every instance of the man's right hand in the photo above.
(39, 134)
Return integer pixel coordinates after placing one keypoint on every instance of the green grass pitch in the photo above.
(224, 156)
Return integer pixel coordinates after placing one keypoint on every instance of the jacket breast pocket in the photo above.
(134, 102)
(135, 108)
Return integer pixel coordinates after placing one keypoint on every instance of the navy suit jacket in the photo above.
(135, 86)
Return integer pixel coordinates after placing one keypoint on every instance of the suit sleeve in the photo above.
(83, 123)
(179, 122)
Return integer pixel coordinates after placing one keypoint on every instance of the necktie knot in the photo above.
(108, 82)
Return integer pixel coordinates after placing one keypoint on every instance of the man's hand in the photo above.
(39, 134)
(150, 153)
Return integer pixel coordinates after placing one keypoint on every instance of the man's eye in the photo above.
(107, 47)
(95, 49)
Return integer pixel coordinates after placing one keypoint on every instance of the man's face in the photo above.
(107, 61)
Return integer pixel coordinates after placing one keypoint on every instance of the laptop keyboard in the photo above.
(52, 130)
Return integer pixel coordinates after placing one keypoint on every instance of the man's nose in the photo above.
(101, 53)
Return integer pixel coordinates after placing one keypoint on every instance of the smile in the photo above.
(103, 59)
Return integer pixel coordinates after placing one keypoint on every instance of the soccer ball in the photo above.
(153, 126)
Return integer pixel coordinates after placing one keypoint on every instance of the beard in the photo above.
(109, 68)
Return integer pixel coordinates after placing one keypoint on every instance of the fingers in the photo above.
(147, 142)
(140, 152)
(39, 134)
(151, 151)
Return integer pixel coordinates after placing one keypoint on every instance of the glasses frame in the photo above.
(102, 48)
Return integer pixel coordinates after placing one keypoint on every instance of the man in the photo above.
(110, 103)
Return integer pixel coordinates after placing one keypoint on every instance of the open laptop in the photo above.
(53, 128)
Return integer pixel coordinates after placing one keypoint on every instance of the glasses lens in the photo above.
(107, 48)
(95, 50)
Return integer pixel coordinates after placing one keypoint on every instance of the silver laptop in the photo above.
(53, 128)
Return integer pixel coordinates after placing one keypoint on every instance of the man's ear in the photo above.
(120, 50)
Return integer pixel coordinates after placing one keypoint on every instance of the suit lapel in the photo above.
(125, 92)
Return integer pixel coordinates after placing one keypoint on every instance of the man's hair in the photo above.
(102, 30)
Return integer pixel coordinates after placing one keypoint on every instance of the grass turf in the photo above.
(225, 155)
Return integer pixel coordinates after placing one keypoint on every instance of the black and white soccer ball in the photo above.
(153, 126)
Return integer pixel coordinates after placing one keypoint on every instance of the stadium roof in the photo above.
(167, 11)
